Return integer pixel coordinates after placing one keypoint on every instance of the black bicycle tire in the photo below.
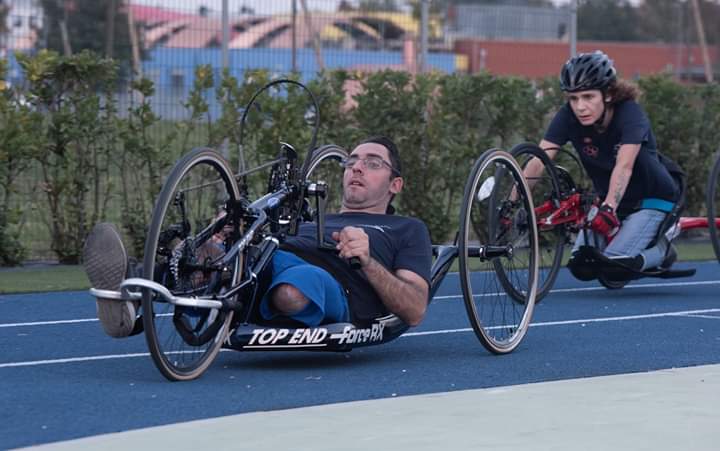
(611, 284)
(322, 153)
(487, 341)
(712, 209)
(182, 167)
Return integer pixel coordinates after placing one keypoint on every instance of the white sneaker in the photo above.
(106, 261)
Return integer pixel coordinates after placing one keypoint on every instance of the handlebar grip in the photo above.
(354, 262)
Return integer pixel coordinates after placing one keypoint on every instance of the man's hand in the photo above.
(605, 222)
(353, 242)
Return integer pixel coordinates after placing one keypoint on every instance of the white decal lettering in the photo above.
(351, 335)
(256, 333)
(282, 333)
(267, 336)
(319, 335)
(295, 337)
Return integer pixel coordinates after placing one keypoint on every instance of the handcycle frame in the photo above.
(227, 305)
(564, 211)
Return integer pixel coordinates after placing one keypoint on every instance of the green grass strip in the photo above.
(37, 278)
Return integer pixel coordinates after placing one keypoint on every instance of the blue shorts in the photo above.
(328, 303)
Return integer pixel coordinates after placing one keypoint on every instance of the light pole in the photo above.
(424, 14)
(225, 34)
(294, 34)
(573, 27)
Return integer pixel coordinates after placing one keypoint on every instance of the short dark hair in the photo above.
(392, 149)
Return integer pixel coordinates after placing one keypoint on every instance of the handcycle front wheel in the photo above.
(179, 254)
(498, 229)
(324, 165)
(713, 206)
(545, 190)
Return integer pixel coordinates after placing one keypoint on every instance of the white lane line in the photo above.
(73, 359)
(704, 316)
(49, 323)
(686, 313)
(436, 298)
(91, 358)
(63, 321)
(578, 290)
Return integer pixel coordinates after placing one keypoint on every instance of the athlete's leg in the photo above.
(303, 292)
(636, 232)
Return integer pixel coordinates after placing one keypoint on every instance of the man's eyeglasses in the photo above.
(370, 162)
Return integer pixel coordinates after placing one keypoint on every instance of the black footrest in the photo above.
(675, 273)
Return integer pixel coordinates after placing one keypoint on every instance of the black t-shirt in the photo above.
(598, 152)
(396, 242)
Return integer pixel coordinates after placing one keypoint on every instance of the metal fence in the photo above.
(165, 40)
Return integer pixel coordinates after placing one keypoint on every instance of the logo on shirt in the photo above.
(379, 228)
(589, 149)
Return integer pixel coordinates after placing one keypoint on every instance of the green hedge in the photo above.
(86, 162)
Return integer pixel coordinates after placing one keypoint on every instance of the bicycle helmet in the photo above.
(587, 71)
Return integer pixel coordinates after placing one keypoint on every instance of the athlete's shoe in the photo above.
(106, 263)
(636, 263)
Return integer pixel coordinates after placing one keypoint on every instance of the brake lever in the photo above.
(354, 263)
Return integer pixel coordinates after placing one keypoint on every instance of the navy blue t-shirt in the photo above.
(598, 152)
(396, 242)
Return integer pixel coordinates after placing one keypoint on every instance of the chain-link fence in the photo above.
(166, 41)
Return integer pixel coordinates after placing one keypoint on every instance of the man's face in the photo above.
(587, 105)
(369, 189)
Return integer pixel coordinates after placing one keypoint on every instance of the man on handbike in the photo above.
(614, 140)
(308, 284)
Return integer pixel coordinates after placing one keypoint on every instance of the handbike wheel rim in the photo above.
(483, 331)
(163, 359)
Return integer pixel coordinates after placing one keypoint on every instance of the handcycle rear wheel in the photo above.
(713, 205)
(498, 228)
(183, 341)
(546, 188)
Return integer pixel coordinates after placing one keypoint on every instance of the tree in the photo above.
(4, 9)
(604, 20)
(668, 21)
(345, 6)
(377, 5)
(547, 3)
(87, 26)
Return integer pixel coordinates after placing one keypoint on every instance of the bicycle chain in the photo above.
(175, 262)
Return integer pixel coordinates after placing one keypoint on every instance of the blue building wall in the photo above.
(172, 70)
(165, 62)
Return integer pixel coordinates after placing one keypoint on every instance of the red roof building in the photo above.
(544, 58)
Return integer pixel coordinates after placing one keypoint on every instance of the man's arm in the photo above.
(621, 173)
(404, 292)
